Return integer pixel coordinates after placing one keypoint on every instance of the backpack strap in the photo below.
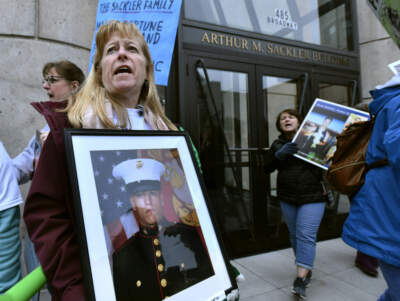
(378, 163)
(381, 162)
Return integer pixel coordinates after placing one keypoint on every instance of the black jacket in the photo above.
(299, 182)
(155, 264)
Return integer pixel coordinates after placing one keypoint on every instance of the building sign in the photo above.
(264, 48)
(156, 19)
(282, 19)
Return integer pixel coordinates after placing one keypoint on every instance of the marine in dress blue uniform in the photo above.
(163, 258)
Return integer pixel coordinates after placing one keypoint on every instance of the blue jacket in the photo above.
(373, 225)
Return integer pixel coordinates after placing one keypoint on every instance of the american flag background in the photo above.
(116, 212)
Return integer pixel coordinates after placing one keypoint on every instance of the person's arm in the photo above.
(23, 163)
(48, 215)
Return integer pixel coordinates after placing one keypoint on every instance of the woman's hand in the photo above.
(286, 150)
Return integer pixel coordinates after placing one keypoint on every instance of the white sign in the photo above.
(282, 18)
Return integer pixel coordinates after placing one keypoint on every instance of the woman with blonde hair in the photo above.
(120, 93)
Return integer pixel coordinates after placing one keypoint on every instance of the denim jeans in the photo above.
(10, 248)
(303, 223)
(391, 274)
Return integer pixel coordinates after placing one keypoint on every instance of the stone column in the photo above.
(32, 33)
(377, 50)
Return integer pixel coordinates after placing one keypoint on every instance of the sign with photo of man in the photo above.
(143, 220)
(316, 137)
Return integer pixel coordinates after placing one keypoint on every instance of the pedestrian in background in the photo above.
(373, 224)
(60, 80)
(301, 196)
(10, 243)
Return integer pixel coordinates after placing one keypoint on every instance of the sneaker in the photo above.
(308, 279)
(299, 288)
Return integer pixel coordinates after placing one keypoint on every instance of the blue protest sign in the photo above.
(156, 19)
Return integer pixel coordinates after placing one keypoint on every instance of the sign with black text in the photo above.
(156, 19)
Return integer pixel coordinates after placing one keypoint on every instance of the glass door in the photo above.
(277, 90)
(231, 115)
(227, 149)
(345, 92)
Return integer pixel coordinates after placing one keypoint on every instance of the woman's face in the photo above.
(123, 68)
(57, 87)
(288, 123)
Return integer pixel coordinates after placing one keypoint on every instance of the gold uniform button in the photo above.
(138, 283)
(160, 267)
(163, 282)
(158, 253)
(156, 242)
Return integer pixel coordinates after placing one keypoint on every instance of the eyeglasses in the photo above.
(52, 79)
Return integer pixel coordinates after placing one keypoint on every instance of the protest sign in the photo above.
(316, 137)
(156, 19)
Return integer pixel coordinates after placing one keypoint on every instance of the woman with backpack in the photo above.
(373, 224)
(301, 196)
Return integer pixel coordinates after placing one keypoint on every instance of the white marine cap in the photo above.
(140, 174)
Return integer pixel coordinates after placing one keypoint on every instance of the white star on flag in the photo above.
(105, 196)
(119, 204)
(110, 181)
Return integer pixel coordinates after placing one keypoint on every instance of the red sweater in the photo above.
(49, 214)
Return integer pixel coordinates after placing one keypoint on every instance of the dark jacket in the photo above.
(299, 182)
(157, 263)
(49, 214)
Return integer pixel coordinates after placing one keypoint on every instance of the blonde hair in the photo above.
(94, 95)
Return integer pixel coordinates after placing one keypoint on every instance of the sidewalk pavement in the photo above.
(269, 276)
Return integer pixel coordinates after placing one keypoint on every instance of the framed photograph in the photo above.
(316, 137)
(145, 226)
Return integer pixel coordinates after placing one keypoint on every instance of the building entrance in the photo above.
(232, 111)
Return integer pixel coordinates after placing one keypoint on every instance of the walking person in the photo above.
(373, 224)
(301, 196)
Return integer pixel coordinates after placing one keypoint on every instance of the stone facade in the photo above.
(377, 50)
(33, 32)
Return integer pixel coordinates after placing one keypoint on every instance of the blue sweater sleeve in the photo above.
(391, 139)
